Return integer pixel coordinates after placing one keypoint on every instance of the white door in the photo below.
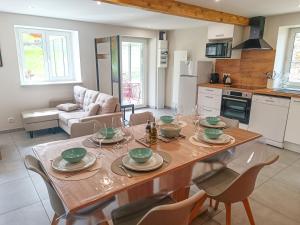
(133, 71)
(293, 124)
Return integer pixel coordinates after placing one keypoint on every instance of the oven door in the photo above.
(236, 108)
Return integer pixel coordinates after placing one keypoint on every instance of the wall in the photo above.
(194, 41)
(14, 98)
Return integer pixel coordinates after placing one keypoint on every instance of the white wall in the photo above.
(14, 98)
(194, 41)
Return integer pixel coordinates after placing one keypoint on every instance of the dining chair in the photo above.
(140, 118)
(159, 210)
(34, 165)
(229, 187)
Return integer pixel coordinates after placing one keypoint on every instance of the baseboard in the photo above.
(11, 130)
(292, 147)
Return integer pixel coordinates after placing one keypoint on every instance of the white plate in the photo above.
(220, 124)
(153, 163)
(62, 165)
(223, 139)
(119, 136)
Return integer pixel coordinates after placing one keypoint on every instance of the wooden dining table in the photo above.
(106, 184)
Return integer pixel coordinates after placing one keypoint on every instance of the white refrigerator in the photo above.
(190, 76)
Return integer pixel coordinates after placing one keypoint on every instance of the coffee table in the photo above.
(39, 119)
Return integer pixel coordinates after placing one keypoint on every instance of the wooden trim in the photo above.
(176, 8)
(102, 40)
(102, 56)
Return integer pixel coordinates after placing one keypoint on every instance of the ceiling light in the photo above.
(31, 7)
(99, 2)
(217, 0)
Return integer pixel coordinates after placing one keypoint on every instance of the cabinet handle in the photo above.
(220, 35)
(209, 90)
(209, 96)
(297, 101)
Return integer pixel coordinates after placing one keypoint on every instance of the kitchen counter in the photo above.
(261, 91)
(276, 93)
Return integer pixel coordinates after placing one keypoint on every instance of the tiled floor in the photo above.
(24, 199)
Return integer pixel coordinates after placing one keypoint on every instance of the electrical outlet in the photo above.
(11, 120)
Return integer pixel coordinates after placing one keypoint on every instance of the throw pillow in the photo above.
(67, 107)
(93, 109)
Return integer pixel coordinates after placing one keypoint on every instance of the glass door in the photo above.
(133, 76)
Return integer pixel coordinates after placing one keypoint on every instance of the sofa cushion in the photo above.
(89, 97)
(67, 107)
(79, 93)
(66, 116)
(93, 109)
(108, 103)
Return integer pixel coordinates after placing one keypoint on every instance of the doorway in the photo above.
(133, 71)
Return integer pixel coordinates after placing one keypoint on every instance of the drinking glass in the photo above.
(100, 136)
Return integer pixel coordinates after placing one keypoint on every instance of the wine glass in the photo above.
(117, 123)
(178, 110)
(101, 133)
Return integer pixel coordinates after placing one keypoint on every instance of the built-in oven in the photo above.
(218, 49)
(236, 105)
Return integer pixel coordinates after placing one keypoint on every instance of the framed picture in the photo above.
(0, 60)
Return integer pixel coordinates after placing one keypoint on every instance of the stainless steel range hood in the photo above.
(256, 41)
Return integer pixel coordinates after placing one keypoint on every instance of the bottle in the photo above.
(148, 132)
(153, 133)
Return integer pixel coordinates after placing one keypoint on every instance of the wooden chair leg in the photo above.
(55, 220)
(210, 202)
(248, 211)
(217, 205)
(228, 213)
(198, 208)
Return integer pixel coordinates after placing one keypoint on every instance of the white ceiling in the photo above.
(250, 8)
(88, 10)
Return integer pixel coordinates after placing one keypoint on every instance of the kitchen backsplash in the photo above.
(250, 70)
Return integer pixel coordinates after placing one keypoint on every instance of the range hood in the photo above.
(256, 41)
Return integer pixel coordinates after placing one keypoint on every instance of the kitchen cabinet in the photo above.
(209, 101)
(293, 124)
(220, 31)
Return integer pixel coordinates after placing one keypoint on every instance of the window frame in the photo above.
(74, 72)
(289, 56)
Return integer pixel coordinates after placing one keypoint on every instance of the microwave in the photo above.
(218, 49)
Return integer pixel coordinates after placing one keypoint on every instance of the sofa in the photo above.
(107, 107)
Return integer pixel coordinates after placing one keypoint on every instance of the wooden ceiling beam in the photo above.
(176, 8)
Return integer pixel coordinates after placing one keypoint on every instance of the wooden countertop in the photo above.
(261, 91)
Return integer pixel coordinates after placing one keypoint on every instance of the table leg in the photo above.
(179, 182)
(136, 193)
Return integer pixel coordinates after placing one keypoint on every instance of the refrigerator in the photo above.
(190, 76)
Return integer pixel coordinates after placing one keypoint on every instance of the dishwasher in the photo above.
(268, 117)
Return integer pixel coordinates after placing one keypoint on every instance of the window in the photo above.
(47, 56)
(293, 58)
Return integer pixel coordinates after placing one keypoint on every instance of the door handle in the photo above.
(234, 99)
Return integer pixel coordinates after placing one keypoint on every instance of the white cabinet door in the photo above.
(209, 101)
(293, 124)
(220, 31)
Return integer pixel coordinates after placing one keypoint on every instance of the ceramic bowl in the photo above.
(140, 155)
(213, 133)
(213, 120)
(108, 133)
(73, 155)
(167, 119)
(170, 130)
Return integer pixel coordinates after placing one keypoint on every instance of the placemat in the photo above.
(79, 175)
(115, 165)
(193, 140)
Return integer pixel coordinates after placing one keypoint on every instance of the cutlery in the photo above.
(93, 142)
(125, 171)
(85, 171)
(166, 161)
